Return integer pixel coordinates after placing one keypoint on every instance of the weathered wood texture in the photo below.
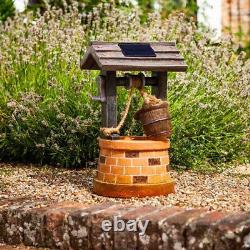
(124, 81)
(160, 89)
(109, 57)
(109, 108)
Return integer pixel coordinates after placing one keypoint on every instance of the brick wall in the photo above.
(236, 18)
(71, 225)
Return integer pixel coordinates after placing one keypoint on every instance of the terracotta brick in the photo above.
(139, 162)
(133, 170)
(104, 168)
(160, 153)
(100, 176)
(166, 178)
(117, 169)
(148, 170)
(154, 179)
(164, 160)
(160, 169)
(105, 152)
(144, 154)
(124, 162)
(111, 161)
(118, 153)
(110, 178)
(123, 179)
(140, 179)
(131, 154)
(154, 161)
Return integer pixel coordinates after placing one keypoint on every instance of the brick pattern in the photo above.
(133, 167)
(236, 18)
(71, 225)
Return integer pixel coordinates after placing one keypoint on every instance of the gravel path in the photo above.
(19, 247)
(229, 190)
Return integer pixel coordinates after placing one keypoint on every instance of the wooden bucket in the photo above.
(155, 120)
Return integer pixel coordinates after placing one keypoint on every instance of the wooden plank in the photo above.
(119, 55)
(160, 90)
(172, 68)
(171, 43)
(124, 81)
(90, 60)
(154, 59)
(115, 47)
(146, 62)
(109, 108)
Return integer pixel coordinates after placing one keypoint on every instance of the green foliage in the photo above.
(190, 7)
(7, 9)
(46, 115)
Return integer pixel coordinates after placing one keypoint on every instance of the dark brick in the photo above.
(198, 232)
(153, 235)
(226, 235)
(33, 224)
(3, 218)
(100, 239)
(102, 159)
(14, 221)
(167, 168)
(71, 225)
(174, 228)
(54, 226)
(154, 161)
(4, 207)
(43, 226)
(78, 226)
(132, 154)
(140, 179)
(129, 240)
(243, 232)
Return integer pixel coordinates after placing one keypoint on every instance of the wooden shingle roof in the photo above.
(108, 56)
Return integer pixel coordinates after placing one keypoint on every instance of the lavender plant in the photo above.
(46, 115)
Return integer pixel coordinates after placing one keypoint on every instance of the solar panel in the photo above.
(137, 50)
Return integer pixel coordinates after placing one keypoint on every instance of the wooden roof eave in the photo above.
(90, 56)
(108, 56)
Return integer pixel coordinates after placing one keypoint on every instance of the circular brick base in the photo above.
(133, 167)
(128, 191)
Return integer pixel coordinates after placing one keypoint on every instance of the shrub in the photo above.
(7, 9)
(46, 114)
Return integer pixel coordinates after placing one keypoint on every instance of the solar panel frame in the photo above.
(137, 50)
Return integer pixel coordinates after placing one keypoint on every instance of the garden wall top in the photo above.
(109, 56)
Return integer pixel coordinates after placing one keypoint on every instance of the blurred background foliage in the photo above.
(7, 9)
(46, 115)
(147, 6)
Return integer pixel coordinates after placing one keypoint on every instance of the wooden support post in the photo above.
(160, 91)
(109, 109)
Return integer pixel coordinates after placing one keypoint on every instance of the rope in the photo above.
(149, 100)
(110, 131)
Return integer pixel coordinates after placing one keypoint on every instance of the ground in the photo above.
(228, 190)
(19, 247)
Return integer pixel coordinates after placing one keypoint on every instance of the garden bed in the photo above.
(228, 190)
